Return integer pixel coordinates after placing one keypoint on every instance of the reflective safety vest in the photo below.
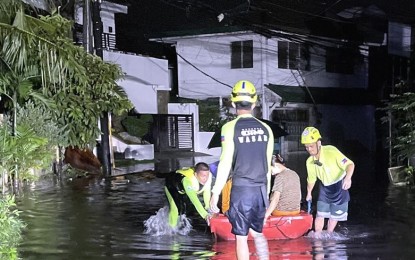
(195, 185)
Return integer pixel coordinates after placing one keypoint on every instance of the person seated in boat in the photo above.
(286, 191)
(225, 195)
(182, 188)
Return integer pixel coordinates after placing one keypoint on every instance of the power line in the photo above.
(201, 71)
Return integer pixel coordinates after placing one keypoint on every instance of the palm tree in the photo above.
(39, 62)
(38, 59)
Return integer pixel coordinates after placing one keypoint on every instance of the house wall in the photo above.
(212, 56)
(108, 11)
(144, 76)
(207, 60)
(201, 139)
(206, 65)
(318, 77)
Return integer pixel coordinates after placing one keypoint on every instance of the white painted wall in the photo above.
(135, 151)
(318, 77)
(211, 55)
(201, 139)
(204, 139)
(108, 11)
(144, 76)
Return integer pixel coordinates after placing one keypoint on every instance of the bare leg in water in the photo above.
(242, 250)
(261, 246)
(318, 225)
(331, 225)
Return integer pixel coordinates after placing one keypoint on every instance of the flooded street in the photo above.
(92, 219)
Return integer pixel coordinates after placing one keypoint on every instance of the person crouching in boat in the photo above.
(184, 185)
(286, 192)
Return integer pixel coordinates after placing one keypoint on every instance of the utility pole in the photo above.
(86, 27)
(97, 35)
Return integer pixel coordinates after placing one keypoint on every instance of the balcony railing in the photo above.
(109, 41)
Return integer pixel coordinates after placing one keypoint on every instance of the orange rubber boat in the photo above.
(281, 227)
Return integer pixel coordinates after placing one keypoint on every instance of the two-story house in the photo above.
(146, 79)
(300, 81)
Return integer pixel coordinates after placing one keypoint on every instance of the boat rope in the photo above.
(277, 225)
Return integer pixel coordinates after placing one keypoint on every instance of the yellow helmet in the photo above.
(310, 135)
(244, 91)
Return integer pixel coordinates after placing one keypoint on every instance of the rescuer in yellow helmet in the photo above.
(247, 147)
(182, 189)
(335, 171)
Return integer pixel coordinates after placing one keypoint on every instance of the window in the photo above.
(242, 55)
(340, 60)
(293, 56)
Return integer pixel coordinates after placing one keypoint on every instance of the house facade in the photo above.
(146, 79)
(294, 75)
(209, 63)
(147, 82)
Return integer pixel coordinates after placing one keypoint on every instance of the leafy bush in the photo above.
(28, 148)
(211, 117)
(11, 227)
(22, 152)
(402, 111)
(137, 126)
(41, 121)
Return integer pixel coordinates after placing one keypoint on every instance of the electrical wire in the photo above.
(261, 29)
(201, 71)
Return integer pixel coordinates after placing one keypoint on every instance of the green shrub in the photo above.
(11, 228)
(211, 117)
(401, 109)
(137, 126)
(23, 151)
(41, 121)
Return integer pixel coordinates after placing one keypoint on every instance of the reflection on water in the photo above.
(95, 219)
(324, 235)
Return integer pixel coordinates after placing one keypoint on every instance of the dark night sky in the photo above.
(148, 18)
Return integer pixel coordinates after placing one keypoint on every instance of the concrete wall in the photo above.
(318, 77)
(204, 139)
(144, 76)
(201, 139)
(133, 151)
(108, 11)
(211, 55)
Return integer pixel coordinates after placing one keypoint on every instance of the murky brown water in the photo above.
(90, 219)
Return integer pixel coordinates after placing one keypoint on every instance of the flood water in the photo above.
(92, 219)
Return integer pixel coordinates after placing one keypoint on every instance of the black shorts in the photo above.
(247, 209)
